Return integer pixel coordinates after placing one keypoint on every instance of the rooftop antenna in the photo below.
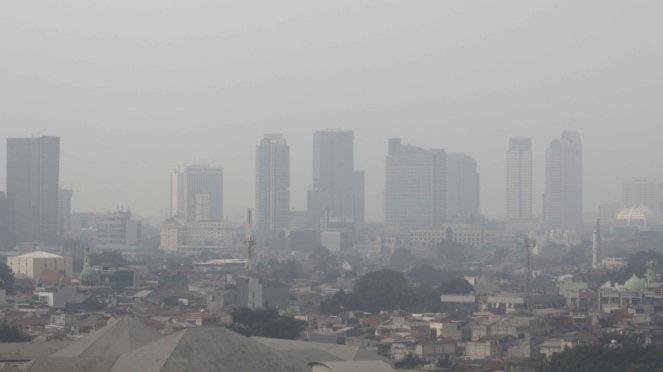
(33, 134)
(529, 245)
(249, 239)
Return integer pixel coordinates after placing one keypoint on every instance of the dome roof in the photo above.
(634, 284)
(88, 271)
(637, 215)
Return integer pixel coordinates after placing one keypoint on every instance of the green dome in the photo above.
(88, 271)
(634, 284)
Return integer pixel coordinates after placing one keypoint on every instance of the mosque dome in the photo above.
(637, 216)
(89, 272)
(635, 284)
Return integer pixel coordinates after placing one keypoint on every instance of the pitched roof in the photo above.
(39, 254)
(15, 351)
(118, 337)
(361, 366)
(344, 352)
(205, 349)
(84, 364)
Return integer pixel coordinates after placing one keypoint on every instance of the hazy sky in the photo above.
(134, 87)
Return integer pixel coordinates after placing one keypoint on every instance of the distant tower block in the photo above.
(596, 245)
(651, 273)
(203, 210)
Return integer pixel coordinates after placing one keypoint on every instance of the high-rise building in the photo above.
(33, 175)
(333, 176)
(563, 197)
(359, 216)
(463, 187)
(118, 229)
(416, 187)
(273, 184)
(519, 179)
(187, 182)
(64, 212)
(641, 191)
(7, 234)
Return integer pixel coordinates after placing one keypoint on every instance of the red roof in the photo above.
(15, 314)
(163, 312)
(53, 277)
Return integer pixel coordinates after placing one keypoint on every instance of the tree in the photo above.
(109, 258)
(321, 266)
(422, 300)
(381, 290)
(456, 286)
(286, 270)
(12, 334)
(444, 362)
(597, 357)
(340, 301)
(452, 251)
(426, 274)
(6, 278)
(265, 323)
(401, 257)
(411, 361)
(332, 276)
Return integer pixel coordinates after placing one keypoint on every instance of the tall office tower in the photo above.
(563, 200)
(358, 179)
(186, 182)
(463, 186)
(64, 212)
(273, 184)
(33, 175)
(416, 187)
(519, 179)
(7, 231)
(333, 175)
(641, 191)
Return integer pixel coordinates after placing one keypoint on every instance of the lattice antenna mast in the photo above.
(529, 245)
(249, 239)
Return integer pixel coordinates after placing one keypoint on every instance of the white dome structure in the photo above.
(637, 216)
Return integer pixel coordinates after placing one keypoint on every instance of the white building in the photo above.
(519, 179)
(465, 235)
(34, 263)
(118, 229)
(273, 184)
(177, 234)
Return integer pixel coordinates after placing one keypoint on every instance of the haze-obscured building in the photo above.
(178, 234)
(7, 219)
(187, 182)
(463, 187)
(33, 173)
(478, 238)
(118, 229)
(563, 196)
(64, 211)
(416, 188)
(256, 293)
(641, 191)
(519, 179)
(273, 184)
(34, 263)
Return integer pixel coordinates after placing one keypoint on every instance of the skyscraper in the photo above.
(463, 186)
(519, 179)
(33, 175)
(641, 191)
(563, 197)
(359, 200)
(187, 182)
(416, 189)
(333, 175)
(7, 221)
(64, 212)
(273, 183)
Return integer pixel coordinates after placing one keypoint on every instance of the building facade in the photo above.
(463, 187)
(34, 263)
(416, 189)
(519, 179)
(478, 238)
(256, 293)
(563, 196)
(7, 230)
(64, 212)
(641, 191)
(187, 182)
(333, 176)
(178, 234)
(118, 229)
(272, 184)
(33, 173)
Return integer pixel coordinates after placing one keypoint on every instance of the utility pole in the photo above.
(529, 245)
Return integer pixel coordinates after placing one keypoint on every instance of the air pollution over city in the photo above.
(338, 186)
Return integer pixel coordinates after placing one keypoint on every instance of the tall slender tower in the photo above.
(333, 176)
(519, 179)
(463, 186)
(196, 180)
(33, 175)
(563, 197)
(273, 184)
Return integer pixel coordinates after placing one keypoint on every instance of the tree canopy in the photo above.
(452, 251)
(341, 301)
(12, 334)
(456, 286)
(265, 323)
(6, 278)
(401, 258)
(286, 270)
(598, 357)
(426, 274)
